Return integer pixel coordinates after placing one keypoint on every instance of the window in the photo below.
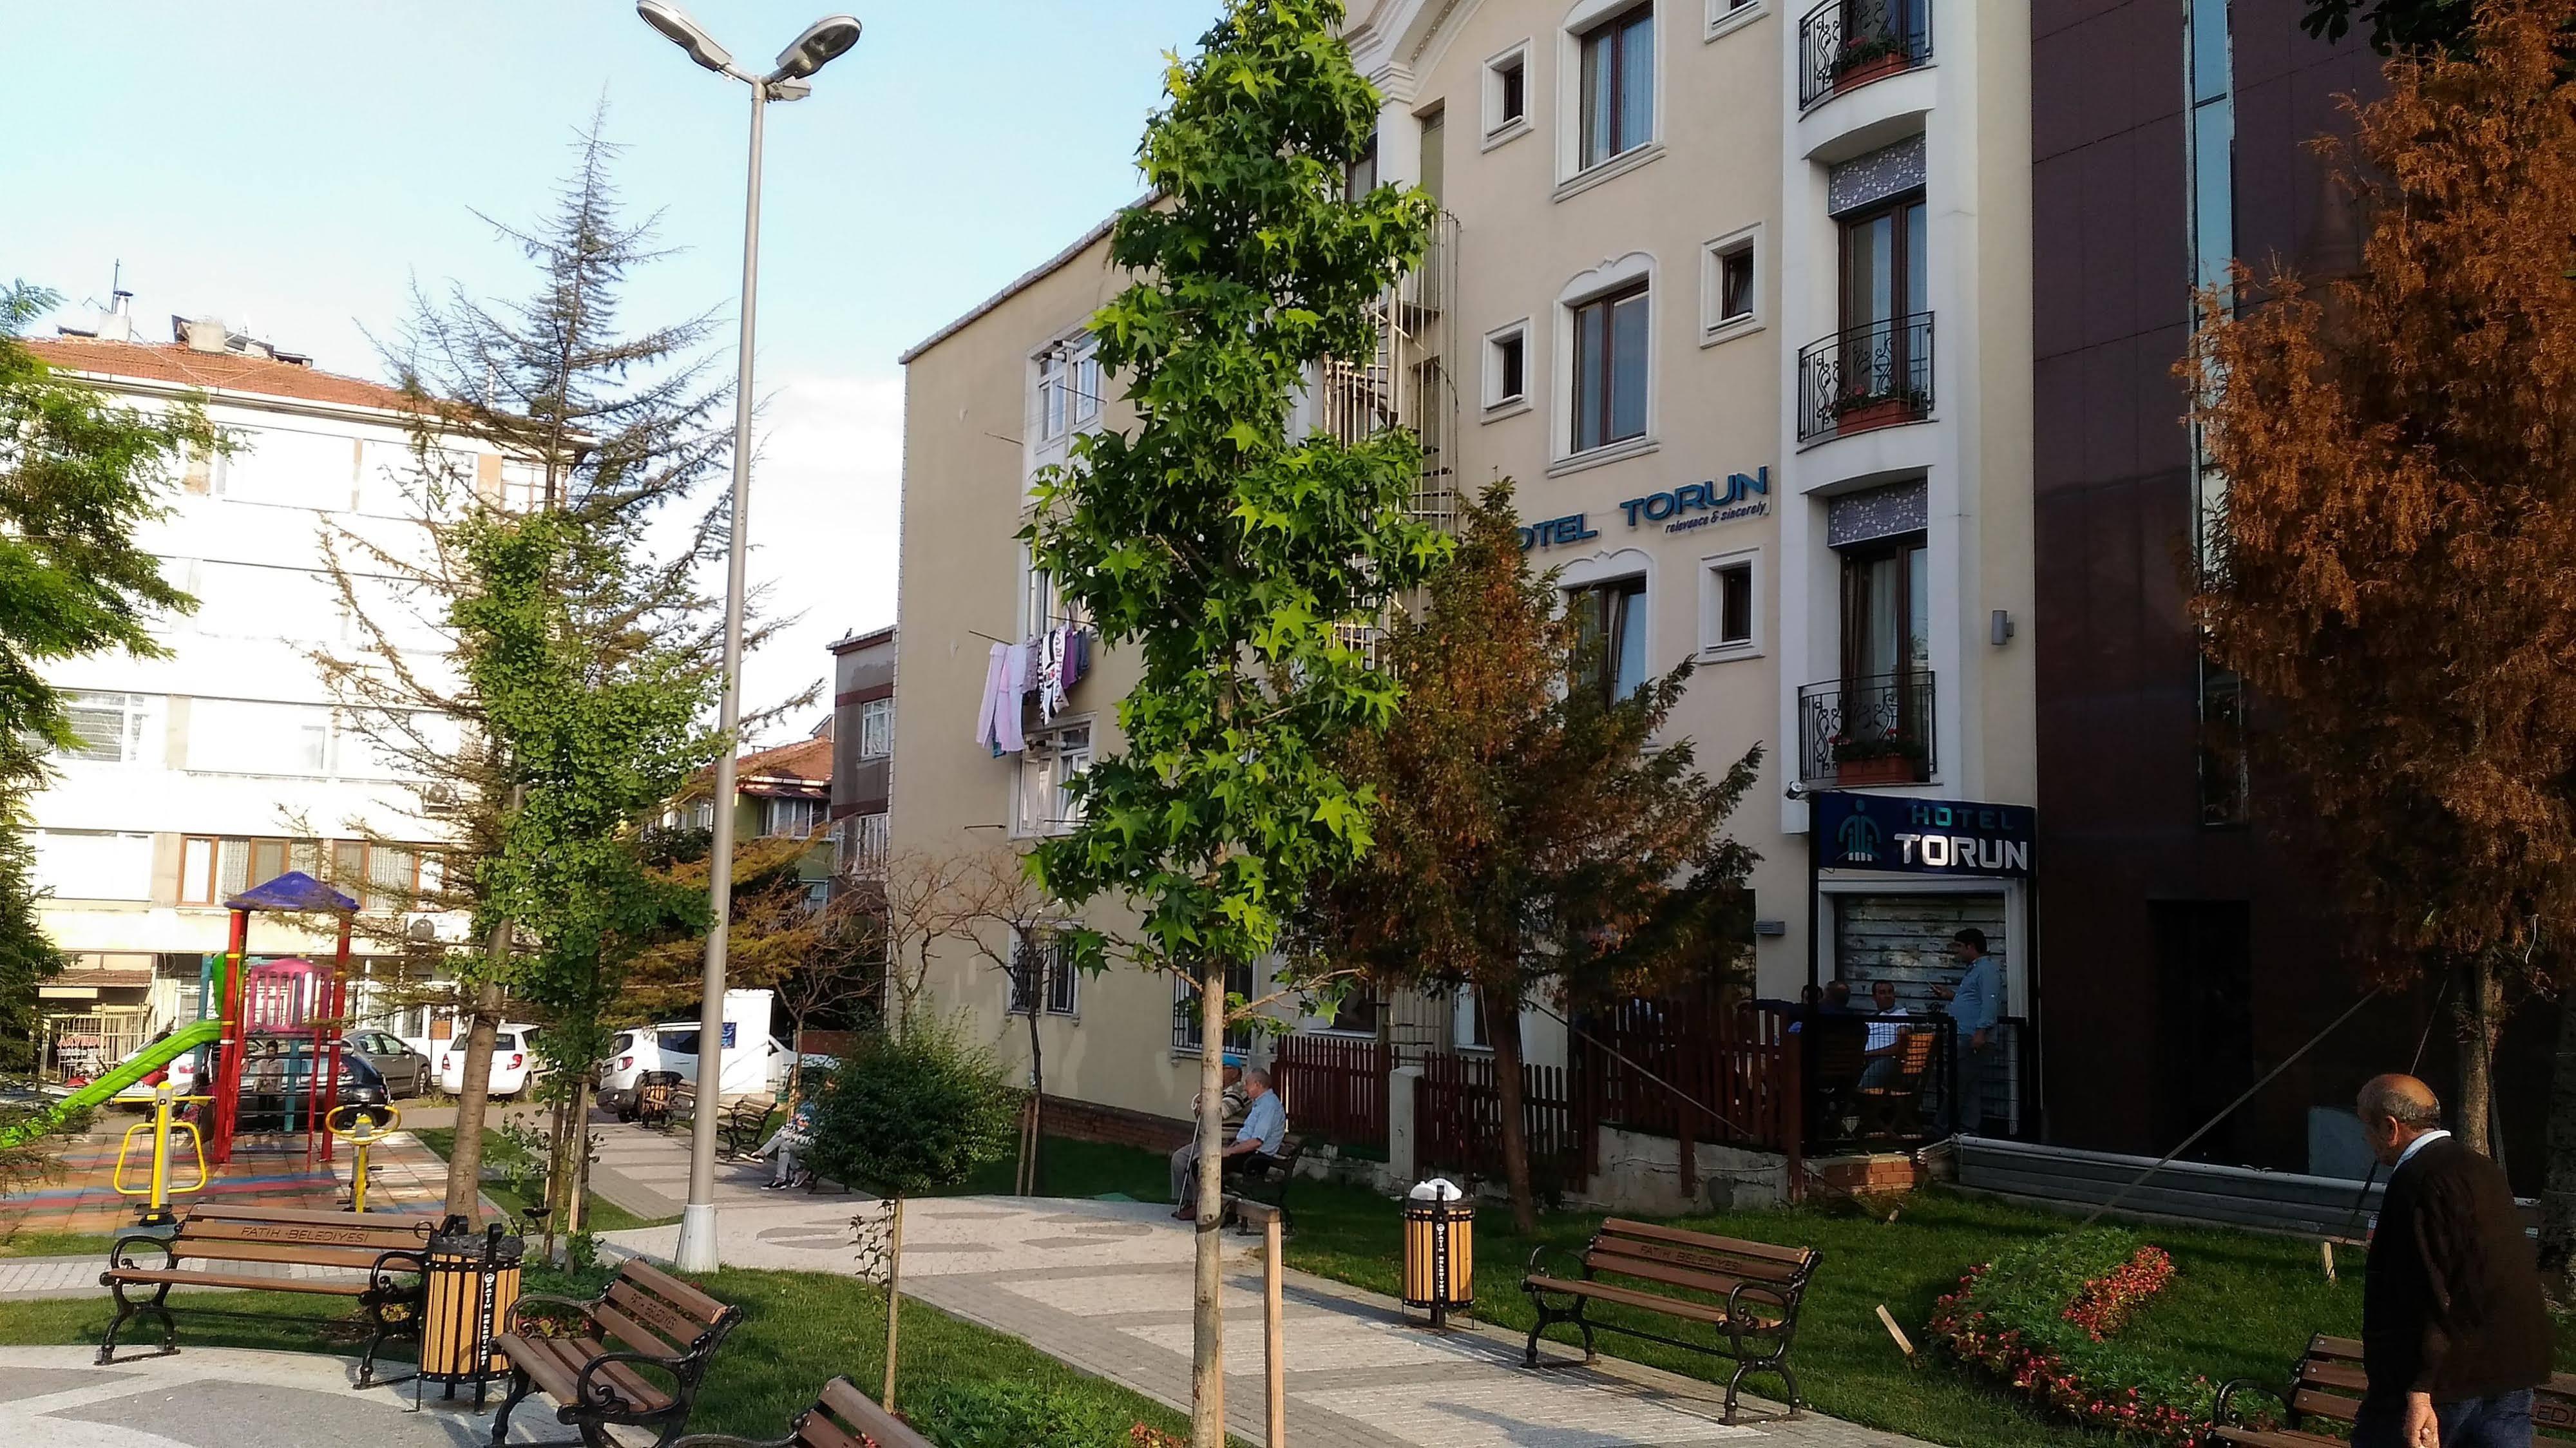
(1361, 178)
(2224, 779)
(1042, 976)
(1618, 97)
(1729, 302)
(1886, 271)
(1068, 388)
(864, 840)
(792, 817)
(1726, 605)
(214, 868)
(1507, 92)
(876, 728)
(113, 728)
(244, 736)
(1041, 606)
(1048, 767)
(1610, 368)
(1189, 1034)
(1360, 1012)
(1507, 365)
(1611, 618)
(290, 467)
(1886, 610)
(93, 864)
(385, 878)
(1468, 1028)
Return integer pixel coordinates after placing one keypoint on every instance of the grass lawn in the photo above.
(964, 1386)
(604, 1216)
(2240, 1306)
(1068, 1168)
(56, 1244)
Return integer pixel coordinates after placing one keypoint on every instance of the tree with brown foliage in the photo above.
(2391, 567)
(1535, 839)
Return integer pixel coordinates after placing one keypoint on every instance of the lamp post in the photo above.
(823, 41)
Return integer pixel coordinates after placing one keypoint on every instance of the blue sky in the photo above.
(295, 165)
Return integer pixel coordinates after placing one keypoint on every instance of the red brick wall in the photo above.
(1091, 1121)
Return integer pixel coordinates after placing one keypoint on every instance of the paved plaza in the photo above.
(54, 1397)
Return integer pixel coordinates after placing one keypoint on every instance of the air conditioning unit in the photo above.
(436, 928)
(438, 798)
(421, 930)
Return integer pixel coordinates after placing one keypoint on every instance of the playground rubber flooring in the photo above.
(80, 1197)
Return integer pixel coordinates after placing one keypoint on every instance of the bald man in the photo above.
(2454, 1335)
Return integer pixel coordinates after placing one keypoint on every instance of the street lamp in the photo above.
(823, 41)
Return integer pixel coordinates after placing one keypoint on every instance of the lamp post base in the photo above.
(697, 1249)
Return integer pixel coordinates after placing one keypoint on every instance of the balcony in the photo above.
(1879, 375)
(1843, 44)
(1855, 733)
(1405, 381)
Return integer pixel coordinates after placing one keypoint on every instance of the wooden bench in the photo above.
(384, 1246)
(742, 1122)
(654, 1091)
(843, 1417)
(1748, 1291)
(2327, 1387)
(1264, 1176)
(633, 1356)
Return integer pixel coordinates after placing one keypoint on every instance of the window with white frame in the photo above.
(1507, 365)
(1507, 93)
(1053, 760)
(1727, 15)
(1730, 285)
(864, 843)
(1610, 367)
(1615, 86)
(93, 864)
(1068, 387)
(1041, 606)
(793, 818)
(1729, 604)
(876, 728)
(1042, 976)
(113, 728)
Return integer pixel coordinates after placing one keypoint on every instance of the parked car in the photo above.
(514, 1062)
(278, 1074)
(181, 1073)
(670, 1046)
(406, 1071)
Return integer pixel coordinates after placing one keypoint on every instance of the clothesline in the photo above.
(1048, 664)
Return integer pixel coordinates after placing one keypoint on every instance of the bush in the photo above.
(914, 1113)
(2043, 1319)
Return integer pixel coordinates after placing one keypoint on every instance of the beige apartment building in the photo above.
(1736, 295)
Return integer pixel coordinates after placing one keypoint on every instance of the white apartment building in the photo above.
(1736, 294)
(226, 763)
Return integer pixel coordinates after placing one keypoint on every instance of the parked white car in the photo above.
(673, 1046)
(514, 1061)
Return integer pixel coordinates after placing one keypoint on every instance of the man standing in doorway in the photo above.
(1976, 1003)
(2454, 1334)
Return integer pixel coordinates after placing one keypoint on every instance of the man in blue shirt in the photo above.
(1264, 1130)
(1976, 1003)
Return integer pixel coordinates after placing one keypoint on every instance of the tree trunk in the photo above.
(1503, 1019)
(2481, 1012)
(1207, 1320)
(1037, 1089)
(894, 1293)
(465, 1158)
(558, 1173)
(2558, 1192)
(577, 1197)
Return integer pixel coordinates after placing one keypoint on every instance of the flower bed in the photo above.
(2044, 1320)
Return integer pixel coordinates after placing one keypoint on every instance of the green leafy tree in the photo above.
(78, 475)
(1227, 556)
(2394, 25)
(912, 1113)
(531, 656)
(1533, 840)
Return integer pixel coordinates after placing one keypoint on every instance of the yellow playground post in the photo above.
(157, 1188)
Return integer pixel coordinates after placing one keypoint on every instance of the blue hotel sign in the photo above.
(1921, 836)
(1679, 510)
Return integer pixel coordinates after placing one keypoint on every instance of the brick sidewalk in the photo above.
(1105, 1286)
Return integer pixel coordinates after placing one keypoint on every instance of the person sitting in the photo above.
(794, 1135)
(1185, 1157)
(1888, 1028)
(1264, 1131)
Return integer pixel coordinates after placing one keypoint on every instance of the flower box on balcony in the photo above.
(1863, 415)
(1862, 71)
(1879, 769)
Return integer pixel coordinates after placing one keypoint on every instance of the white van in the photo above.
(673, 1046)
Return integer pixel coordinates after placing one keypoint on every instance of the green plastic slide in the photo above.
(106, 1088)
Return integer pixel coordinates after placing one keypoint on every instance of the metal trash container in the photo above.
(1439, 1249)
(472, 1279)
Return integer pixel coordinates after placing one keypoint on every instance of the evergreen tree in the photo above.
(78, 475)
(1534, 838)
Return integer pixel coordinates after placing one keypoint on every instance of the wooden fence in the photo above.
(1458, 1120)
(1334, 1088)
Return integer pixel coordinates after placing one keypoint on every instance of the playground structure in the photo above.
(287, 1008)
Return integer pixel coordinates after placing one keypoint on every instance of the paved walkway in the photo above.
(210, 1397)
(1105, 1286)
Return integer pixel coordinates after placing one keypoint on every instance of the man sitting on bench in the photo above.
(1264, 1130)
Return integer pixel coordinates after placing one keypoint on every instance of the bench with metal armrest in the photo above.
(843, 1417)
(1756, 1289)
(385, 1247)
(1263, 1177)
(2326, 1387)
(634, 1356)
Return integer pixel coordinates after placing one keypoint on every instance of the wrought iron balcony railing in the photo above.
(1853, 733)
(1406, 380)
(1871, 376)
(1845, 43)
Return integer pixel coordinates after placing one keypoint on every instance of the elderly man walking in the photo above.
(2454, 1334)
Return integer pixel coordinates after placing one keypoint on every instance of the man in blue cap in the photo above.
(1185, 1158)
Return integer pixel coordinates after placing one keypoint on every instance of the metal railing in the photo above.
(1406, 382)
(1843, 43)
(1878, 730)
(1865, 377)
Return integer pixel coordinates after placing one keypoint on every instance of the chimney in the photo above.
(201, 334)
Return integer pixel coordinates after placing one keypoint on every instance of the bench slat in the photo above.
(2325, 1405)
(654, 1313)
(296, 1233)
(632, 1334)
(2332, 1373)
(1721, 1263)
(220, 1212)
(1756, 1293)
(1629, 1296)
(2348, 1348)
(2278, 1438)
(862, 1412)
(706, 1310)
(1621, 1226)
(359, 1258)
(227, 1279)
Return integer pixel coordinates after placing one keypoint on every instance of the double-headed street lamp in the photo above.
(823, 41)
